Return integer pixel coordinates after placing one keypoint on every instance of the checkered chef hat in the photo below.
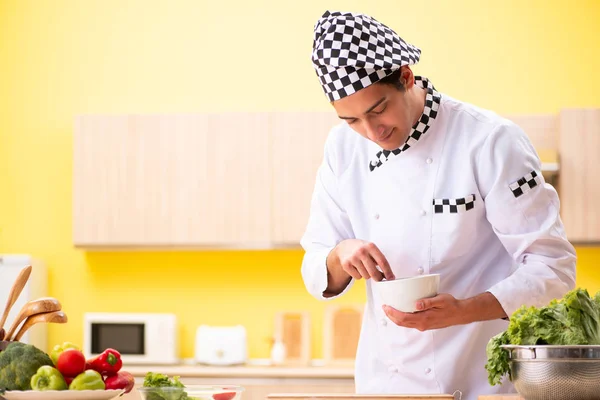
(352, 51)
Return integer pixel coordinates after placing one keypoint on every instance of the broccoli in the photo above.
(18, 363)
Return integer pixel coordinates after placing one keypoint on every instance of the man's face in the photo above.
(379, 112)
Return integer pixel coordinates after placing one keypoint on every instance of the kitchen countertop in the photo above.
(244, 371)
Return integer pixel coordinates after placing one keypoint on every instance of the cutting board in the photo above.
(341, 331)
(500, 397)
(293, 329)
(345, 396)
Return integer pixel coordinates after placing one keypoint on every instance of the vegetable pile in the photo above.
(572, 320)
(25, 367)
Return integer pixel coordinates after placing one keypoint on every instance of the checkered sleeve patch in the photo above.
(454, 206)
(525, 184)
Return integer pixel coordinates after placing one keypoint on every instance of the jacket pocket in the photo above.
(454, 206)
(454, 226)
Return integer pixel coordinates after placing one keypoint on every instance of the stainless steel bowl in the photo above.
(555, 372)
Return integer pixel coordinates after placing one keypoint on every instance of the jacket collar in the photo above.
(432, 104)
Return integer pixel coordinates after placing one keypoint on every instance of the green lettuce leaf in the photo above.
(572, 320)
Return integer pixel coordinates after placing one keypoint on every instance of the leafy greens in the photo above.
(166, 388)
(572, 320)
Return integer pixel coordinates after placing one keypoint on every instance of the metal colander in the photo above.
(555, 372)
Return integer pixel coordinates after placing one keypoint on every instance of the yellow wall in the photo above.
(59, 58)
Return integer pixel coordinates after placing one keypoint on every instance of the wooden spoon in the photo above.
(39, 306)
(13, 295)
(57, 317)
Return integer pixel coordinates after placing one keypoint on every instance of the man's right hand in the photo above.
(355, 258)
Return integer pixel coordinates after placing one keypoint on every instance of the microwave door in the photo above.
(128, 338)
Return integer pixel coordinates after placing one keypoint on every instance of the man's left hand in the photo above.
(436, 312)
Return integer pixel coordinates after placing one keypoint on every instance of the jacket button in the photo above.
(420, 270)
(393, 369)
(383, 322)
(423, 213)
(429, 160)
(427, 370)
(376, 216)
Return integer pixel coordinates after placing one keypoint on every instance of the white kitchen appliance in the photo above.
(141, 338)
(37, 286)
(221, 345)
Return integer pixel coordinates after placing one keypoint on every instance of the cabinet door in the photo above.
(172, 180)
(136, 179)
(297, 140)
(239, 180)
(579, 185)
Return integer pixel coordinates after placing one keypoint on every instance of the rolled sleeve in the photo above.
(524, 212)
(328, 224)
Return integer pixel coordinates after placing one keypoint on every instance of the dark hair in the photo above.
(394, 80)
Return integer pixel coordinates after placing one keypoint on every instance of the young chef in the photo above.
(417, 182)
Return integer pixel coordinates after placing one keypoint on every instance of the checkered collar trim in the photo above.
(432, 105)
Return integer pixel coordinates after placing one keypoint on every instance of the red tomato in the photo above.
(71, 363)
(224, 396)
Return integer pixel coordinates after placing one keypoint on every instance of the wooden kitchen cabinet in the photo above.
(297, 141)
(245, 180)
(231, 180)
(579, 182)
(172, 180)
(568, 144)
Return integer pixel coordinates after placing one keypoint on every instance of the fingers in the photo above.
(350, 269)
(361, 265)
(363, 262)
(355, 268)
(362, 269)
(381, 261)
(408, 320)
(432, 302)
(423, 305)
(370, 264)
(437, 312)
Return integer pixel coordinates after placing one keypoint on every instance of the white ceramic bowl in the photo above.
(403, 293)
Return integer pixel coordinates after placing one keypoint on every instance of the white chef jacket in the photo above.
(511, 243)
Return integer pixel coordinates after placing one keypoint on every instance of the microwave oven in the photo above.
(141, 338)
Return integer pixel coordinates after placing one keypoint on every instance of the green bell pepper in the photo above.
(88, 380)
(59, 348)
(48, 378)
